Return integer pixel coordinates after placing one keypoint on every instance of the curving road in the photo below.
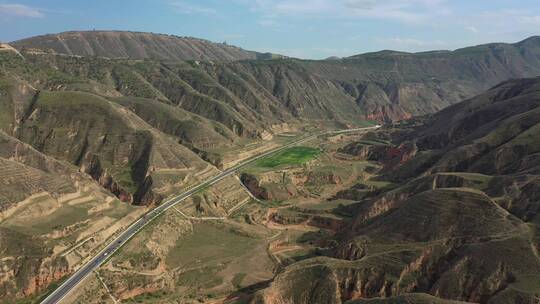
(58, 294)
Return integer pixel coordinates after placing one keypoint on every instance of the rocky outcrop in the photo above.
(351, 251)
(254, 186)
(362, 151)
(356, 193)
(389, 155)
(397, 156)
(49, 271)
(310, 219)
(143, 194)
(93, 168)
(323, 178)
(28, 276)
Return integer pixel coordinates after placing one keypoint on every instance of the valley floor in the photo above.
(225, 243)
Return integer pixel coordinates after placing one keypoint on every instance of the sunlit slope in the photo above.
(118, 44)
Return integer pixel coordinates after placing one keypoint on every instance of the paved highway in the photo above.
(58, 294)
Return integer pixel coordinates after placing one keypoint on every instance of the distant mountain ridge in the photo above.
(526, 42)
(382, 86)
(136, 45)
(391, 85)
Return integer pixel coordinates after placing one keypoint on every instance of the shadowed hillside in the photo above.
(460, 220)
(117, 148)
(393, 85)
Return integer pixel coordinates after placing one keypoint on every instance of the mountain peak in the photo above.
(135, 45)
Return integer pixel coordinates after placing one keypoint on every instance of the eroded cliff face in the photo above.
(47, 272)
(254, 186)
(108, 142)
(390, 156)
(94, 169)
(143, 194)
(314, 220)
(442, 270)
(27, 276)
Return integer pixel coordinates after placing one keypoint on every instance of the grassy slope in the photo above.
(209, 244)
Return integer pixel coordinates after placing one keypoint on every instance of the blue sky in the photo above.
(300, 28)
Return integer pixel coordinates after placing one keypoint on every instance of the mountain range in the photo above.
(382, 86)
(128, 118)
(207, 105)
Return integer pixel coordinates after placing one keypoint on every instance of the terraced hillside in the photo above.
(103, 136)
(70, 217)
(26, 172)
(135, 45)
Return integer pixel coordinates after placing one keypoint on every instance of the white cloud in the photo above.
(407, 11)
(504, 24)
(268, 22)
(473, 29)
(531, 20)
(192, 9)
(19, 10)
(446, 17)
(288, 7)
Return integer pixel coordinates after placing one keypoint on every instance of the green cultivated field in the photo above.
(292, 156)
